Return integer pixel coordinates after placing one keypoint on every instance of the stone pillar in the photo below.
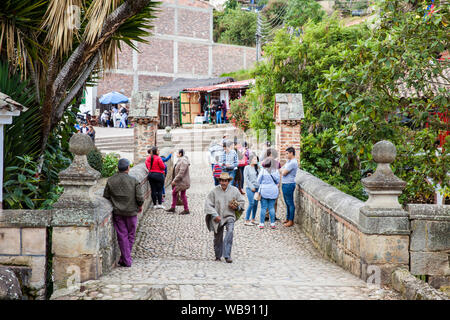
(144, 114)
(78, 220)
(288, 113)
(145, 131)
(384, 241)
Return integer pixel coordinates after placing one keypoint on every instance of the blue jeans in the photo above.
(222, 246)
(288, 195)
(219, 116)
(267, 204)
(252, 204)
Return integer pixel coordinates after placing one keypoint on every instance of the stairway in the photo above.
(115, 144)
(188, 139)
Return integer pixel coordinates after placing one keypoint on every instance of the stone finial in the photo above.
(168, 137)
(383, 186)
(80, 144)
(79, 177)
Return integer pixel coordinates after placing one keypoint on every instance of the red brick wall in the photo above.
(227, 59)
(149, 82)
(287, 136)
(194, 24)
(165, 23)
(193, 58)
(115, 82)
(157, 56)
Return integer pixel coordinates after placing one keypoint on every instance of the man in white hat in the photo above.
(220, 207)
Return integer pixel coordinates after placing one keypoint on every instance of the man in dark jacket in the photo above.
(127, 199)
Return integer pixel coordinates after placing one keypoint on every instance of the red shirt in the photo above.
(158, 164)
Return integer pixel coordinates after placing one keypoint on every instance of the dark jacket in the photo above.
(125, 193)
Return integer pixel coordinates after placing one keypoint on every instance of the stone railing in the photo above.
(78, 232)
(430, 243)
(372, 239)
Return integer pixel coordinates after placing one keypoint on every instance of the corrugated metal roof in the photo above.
(172, 89)
(8, 104)
(225, 86)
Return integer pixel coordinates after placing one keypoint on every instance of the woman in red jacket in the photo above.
(155, 167)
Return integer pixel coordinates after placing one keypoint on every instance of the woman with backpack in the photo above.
(156, 178)
(268, 180)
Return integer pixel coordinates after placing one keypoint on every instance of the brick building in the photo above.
(181, 46)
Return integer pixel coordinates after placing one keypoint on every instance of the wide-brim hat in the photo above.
(225, 176)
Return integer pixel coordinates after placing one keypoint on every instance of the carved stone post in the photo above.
(82, 237)
(385, 225)
(144, 114)
(288, 113)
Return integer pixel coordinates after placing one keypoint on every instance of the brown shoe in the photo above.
(290, 223)
(229, 260)
(285, 221)
(172, 210)
(185, 212)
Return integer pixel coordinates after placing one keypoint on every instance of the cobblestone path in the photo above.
(176, 252)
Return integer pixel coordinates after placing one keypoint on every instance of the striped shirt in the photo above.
(217, 170)
(230, 159)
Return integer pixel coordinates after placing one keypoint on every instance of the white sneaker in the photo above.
(248, 223)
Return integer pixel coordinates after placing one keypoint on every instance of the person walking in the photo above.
(218, 113)
(220, 206)
(268, 180)
(229, 160)
(181, 182)
(155, 167)
(127, 198)
(224, 111)
(288, 172)
(251, 173)
(91, 133)
(123, 120)
(105, 118)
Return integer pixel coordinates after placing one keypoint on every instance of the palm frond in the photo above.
(96, 15)
(60, 23)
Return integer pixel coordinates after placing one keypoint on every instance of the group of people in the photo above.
(115, 117)
(216, 111)
(89, 130)
(181, 181)
(223, 203)
(263, 178)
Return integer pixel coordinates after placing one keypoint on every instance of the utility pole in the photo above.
(258, 36)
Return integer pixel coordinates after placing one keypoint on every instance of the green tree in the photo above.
(235, 26)
(300, 11)
(358, 84)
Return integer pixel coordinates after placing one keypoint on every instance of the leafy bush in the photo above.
(22, 189)
(95, 159)
(110, 162)
(239, 113)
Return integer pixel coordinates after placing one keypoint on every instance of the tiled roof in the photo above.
(8, 104)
